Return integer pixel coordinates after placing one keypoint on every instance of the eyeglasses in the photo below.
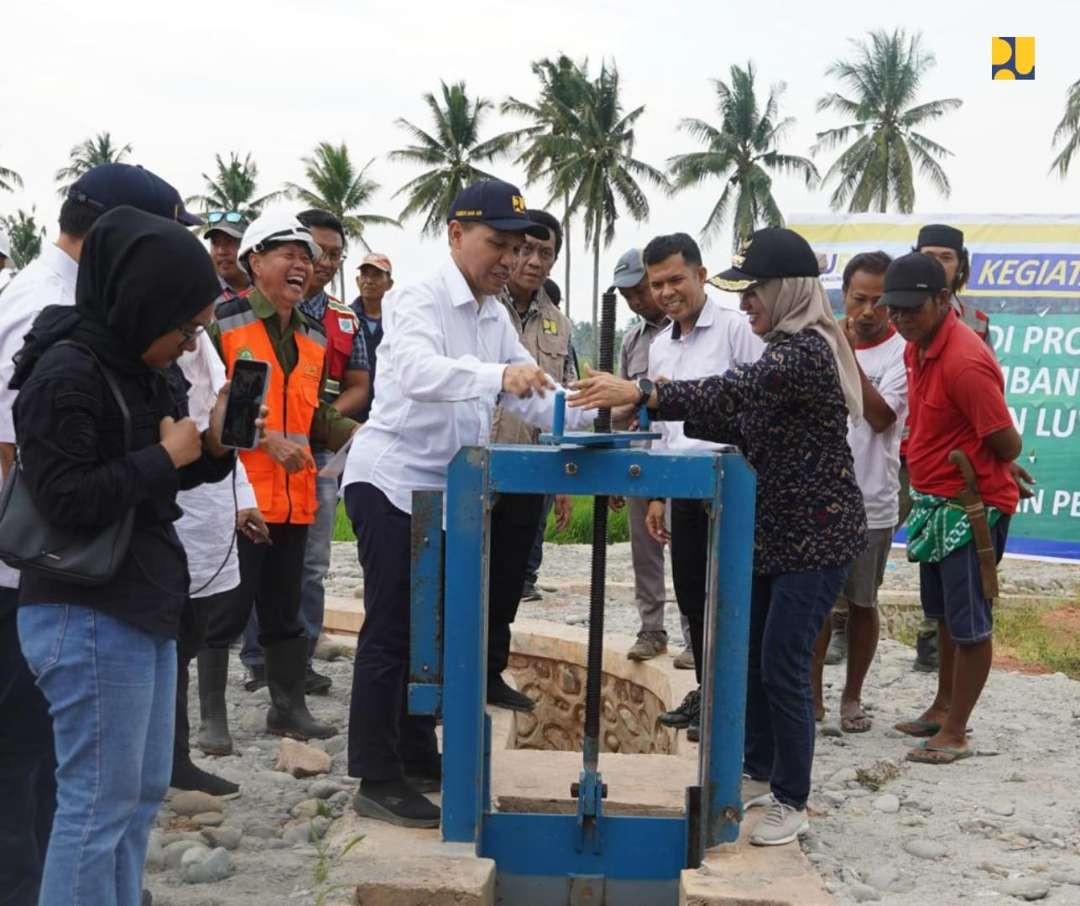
(546, 255)
(334, 256)
(227, 216)
(190, 333)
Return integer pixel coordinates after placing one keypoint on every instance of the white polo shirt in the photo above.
(441, 363)
(877, 453)
(47, 280)
(720, 339)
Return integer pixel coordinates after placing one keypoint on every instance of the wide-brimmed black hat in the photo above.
(768, 254)
(912, 279)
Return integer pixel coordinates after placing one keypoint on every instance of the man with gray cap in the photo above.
(27, 764)
(646, 553)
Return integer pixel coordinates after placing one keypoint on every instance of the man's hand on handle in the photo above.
(523, 380)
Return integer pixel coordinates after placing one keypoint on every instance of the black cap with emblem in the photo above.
(912, 279)
(496, 203)
(768, 254)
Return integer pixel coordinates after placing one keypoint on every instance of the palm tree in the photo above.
(25, 236)
(233, 187)
(563, 87)
(877, 168)
(451, 154)
(741, 151)
(335, 185)
(93, 152)
(9, 180)
(1068, 129)
(592, 164)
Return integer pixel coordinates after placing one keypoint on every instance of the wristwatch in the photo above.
(645, 388)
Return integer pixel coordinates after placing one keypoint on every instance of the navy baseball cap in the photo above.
(769, 254)
(912, 279)
(498, 204)
(111, 185)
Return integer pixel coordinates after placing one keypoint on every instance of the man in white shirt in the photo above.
(27, 786)
(875, 447)
(449, 354)
(702, 339)
(5, 260)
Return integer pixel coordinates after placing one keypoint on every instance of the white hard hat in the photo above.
(5, 245)
(272, 228)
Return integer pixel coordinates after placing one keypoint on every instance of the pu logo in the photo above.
(519, 204)
(1012, 58)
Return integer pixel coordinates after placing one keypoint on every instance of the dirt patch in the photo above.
(1065, 620)
(1006, 660)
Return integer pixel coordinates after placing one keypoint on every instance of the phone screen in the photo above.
(246, 392)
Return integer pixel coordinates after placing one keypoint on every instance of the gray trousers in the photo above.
(648, 560)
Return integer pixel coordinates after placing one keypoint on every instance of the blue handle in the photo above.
(643, 418)
(558, 420)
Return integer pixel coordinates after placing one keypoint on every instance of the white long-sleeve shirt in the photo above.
(441, 363)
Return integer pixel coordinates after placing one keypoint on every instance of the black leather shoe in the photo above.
(396, 802)
(187, 776)
(425, 778)
(316, 683)
(689, 712)
(693, 732)
(501, 695)
(256, 677)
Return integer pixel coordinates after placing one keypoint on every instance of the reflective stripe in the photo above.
(301, 439)
(240, 319)
(316, 336)
(332, 386)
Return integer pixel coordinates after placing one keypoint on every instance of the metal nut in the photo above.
(635, 470)
(571, 468)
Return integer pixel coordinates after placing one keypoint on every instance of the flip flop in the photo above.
(918, 727)
(924, 754)
(856, 723)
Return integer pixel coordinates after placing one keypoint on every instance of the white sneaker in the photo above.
(755, 793)
(781, 824)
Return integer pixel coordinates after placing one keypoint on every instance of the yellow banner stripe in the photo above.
(974, 233)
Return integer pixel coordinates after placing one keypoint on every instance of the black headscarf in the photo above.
(140, 276)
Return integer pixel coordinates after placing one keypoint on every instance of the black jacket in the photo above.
(71, 445)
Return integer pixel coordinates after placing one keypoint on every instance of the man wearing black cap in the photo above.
(945, 244)
(449, 354)
(957, 402)
(224, 230)
(27, 787)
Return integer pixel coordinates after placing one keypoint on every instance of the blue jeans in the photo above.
(111, 690)
(316, 564)
(787, 612)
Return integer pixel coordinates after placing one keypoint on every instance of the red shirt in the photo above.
(956, 398)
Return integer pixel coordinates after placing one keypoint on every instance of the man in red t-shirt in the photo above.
(956, 401)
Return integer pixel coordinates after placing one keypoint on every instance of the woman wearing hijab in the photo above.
(788, 414)
(105, 656)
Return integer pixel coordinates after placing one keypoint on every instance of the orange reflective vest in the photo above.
(292, 401)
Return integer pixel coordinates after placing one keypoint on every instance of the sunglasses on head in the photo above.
(227, 216)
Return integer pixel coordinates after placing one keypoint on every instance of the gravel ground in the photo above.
(1004, 823)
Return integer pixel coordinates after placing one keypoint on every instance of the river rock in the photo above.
(883, 877)
(194, 802)
(174, 852)
(1025, 888)
(299, 833)
(308, 808)
(863, 893)
(225, 837)
(336, 744)
(925, 849)
(216, 866)
(301, 760)
(196, 853)
(324, 789)
(887, 803)
(208, 819)
(1002, 807)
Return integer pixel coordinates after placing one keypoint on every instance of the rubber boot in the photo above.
(214, 738)
(286, 675)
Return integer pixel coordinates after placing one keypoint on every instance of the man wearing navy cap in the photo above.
(449, 354)
(27, 787)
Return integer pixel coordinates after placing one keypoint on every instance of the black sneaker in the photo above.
(926, 653)
(187, 776)
(425, 778)
(501, 695)
(531, 593)
(396, 802)
(256, 677)
(316, 683)
(693, 732)
(689, 712)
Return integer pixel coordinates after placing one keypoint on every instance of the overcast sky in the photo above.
(181, 81)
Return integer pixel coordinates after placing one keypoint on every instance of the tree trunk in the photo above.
(566, 252)
(596, 291)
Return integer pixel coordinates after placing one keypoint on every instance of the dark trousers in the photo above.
(689, 569)
(536, 555)
(270, 577)
(27, 768)
(194, 619)
(787, 612)
(514, 520)
(384, 739)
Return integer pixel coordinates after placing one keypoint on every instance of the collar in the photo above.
(933, 351)
(61, 263)
(458, 288)
(888, 335)
(705, 318)
(264, 309)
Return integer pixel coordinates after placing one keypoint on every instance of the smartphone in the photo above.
(247, 390)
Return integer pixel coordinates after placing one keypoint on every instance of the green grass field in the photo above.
(578, 532)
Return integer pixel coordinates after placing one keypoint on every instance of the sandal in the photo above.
(918, 727)
(925, 754)
(856, 723)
